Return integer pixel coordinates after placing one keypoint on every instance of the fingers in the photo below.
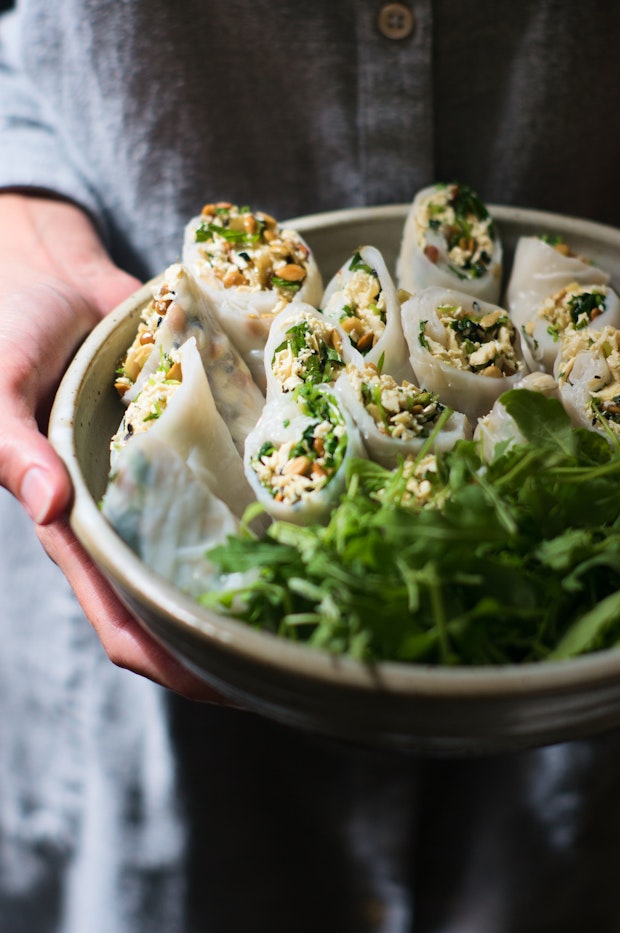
(125, 641)
(31, 470)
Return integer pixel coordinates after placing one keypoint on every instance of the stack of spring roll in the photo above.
(248, 382)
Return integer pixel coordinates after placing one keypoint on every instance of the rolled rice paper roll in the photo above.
(176, 405)
(587, 370)
(177, 312)
(465, 350)
(296, 457)
(397, 419)
(540, 268)
(250, 267)
(498, 427)
(304, 346)
(450, 240)
(362, 298)
(574, 306)
(168, 515)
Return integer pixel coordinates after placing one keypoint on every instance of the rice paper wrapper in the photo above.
(363, 299)
(191, 425)
(541, 335)
(587, 370)
(190, 314)
(539, 270)
(246, 311)
(498, 427)
(387, 448)
(278, 446)
(430, 342)
(426, 259)
(304, 345)
(168, 515)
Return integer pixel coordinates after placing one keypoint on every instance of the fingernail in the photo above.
(37, 493)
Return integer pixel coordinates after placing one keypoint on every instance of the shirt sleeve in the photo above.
(32, 155)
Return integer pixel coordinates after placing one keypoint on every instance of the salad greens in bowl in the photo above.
(458, 601)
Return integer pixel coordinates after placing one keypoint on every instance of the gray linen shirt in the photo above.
(123, 808)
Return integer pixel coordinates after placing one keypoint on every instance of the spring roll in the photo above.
(168, 515)
(304, 346)
(296, 457)
(364, 301)
(251, 268)
(587, 370)
(574, 306)
(465, 350)
(450, 240)
(498, 427)
(177, 406)
(396, 419)
(177, 312)
(543, 265)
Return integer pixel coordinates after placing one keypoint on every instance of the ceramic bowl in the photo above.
(395, 705)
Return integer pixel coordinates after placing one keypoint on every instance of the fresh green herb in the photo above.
(513, 560)
(155, 414)
(583, 306)
(552, 239)
(284, 283)
(357, 264)
(422, 338)
(206, 231)
(320, 365)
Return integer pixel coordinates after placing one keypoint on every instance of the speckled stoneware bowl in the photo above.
(447, 711)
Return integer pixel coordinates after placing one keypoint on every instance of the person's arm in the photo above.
(57, 282)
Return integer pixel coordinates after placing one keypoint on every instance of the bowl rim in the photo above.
(405, 679)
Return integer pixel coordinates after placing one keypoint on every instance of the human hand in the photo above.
(58, 282)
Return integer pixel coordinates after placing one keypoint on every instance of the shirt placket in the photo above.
(395, 99)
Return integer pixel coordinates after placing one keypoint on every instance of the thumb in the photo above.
(31, 469)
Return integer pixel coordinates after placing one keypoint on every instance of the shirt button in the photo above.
(395, 21)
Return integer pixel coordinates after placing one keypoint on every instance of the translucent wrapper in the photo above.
(587, 370)
(540, 269)
(362, 298)
(168, 515)
(574, 306)
(296, 457)
(180, 311)
(450, 240)
(498, 427)
(465, 350)
(181, 413)
(304, 346)
(250, 267)
(397, 419)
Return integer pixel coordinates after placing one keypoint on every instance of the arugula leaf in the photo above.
(541, 420)
(508, 561)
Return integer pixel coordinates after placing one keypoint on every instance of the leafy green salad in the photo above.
(449, 559)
